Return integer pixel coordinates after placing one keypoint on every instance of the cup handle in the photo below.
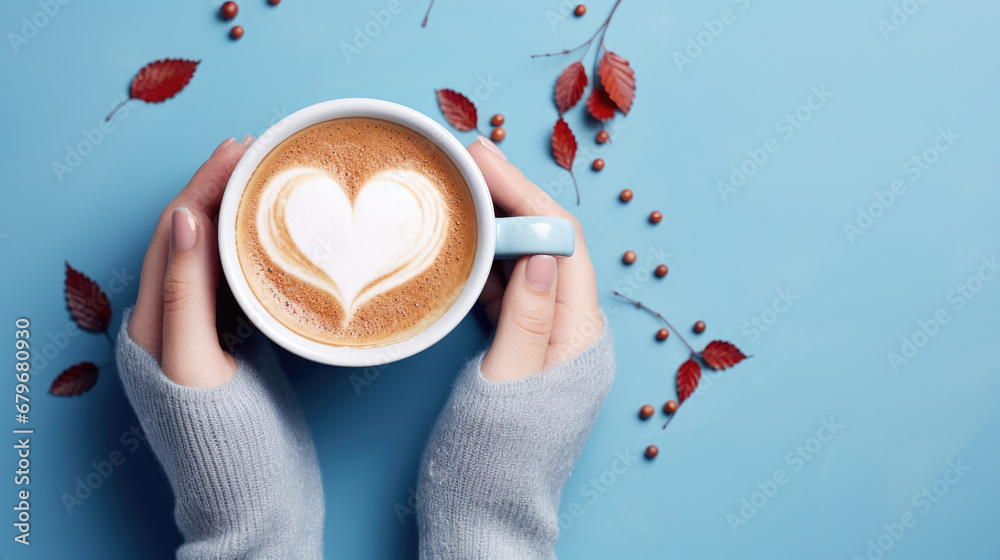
(534, 235)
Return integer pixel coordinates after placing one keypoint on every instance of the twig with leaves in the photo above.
(717, 355)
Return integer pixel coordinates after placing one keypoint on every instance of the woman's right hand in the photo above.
(547, 311)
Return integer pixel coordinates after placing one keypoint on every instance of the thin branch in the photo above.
(586, 43)
(428, 14)
(640, 305)
(117, 107)
(110, 340)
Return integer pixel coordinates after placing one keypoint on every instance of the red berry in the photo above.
(602, 137)
(273, 2)
(580, 10)
(670, 407)
(652, 451)
(646, 411)
(497, 119)
(626, 195)
(498, 134)
(598, 164)
(661, 270)
(629, 257)
(655, 217)
(236, 32)
(662, 334)
(699, 327)
(229, 10)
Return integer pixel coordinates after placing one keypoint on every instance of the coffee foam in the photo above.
(356, 232)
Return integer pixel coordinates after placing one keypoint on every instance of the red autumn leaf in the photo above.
(88, 305)
(457, 108)
(159, 81)
(599, 105)
(618, 78)
(720, 354)
(563, 144)
(570, 86)
(76, 380)
(688, 377)
(564, 150)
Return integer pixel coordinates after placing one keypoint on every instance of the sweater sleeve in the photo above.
(500, 454)
(239, 456)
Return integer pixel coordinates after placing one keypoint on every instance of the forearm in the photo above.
(239, 456)
(500, 454)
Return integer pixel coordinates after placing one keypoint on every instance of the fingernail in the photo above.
(248, 139)
(224, 143)
(491, 147)
(183, 232)
(540, 272)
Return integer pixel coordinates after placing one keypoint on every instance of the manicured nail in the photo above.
(224, 143)
(491, 147)
(540, 272)
(183, 232)
(248, 139)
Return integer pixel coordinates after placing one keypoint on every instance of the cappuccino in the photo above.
(356, 232)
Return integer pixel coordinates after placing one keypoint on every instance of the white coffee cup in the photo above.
(496, 237)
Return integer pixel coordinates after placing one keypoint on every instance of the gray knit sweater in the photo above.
(246, 478)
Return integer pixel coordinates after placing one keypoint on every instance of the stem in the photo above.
(586, 43)
(428, 14)
(640, 305)
(600, 45)
(117, 107)
(110, 340)
(671, 417)
(575, 186)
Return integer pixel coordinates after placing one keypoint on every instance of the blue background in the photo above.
(823, 358)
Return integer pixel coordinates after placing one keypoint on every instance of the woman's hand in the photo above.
(174, 317)
(547, 310)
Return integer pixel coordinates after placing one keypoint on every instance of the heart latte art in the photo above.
(356, 232)
(393, 231)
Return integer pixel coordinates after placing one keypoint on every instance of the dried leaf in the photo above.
(76, 380)
(163, 79)
(564, 150)
(88, 304)
(570, 86)
(599, 105)
(720, 354)
(618, 78)
(457, 108)
(159, 81)
(688, 377)
(563, 144)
